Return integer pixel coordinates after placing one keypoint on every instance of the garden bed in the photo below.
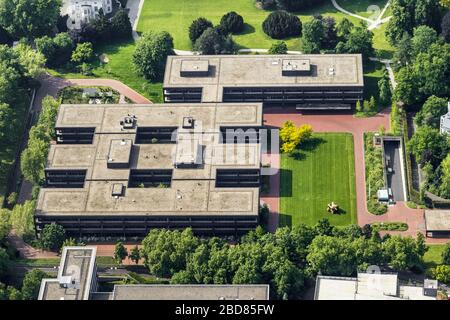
(79, 95)
(374, 175)
(390, 226)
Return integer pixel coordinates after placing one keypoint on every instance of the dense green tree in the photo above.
(404, 53)
(121, 27)
(197, 28)
(313, 36)
(57, 50)
(32, 283)
(166, 252)
(332, 256)
(84, 52)
(232, 22)
(384, 88)
(403, 253)
(5, 225)
(102, 28)
(428, 146)
(330, 37)
(423, 38)
(441, 273)
(279, 47)
(444, 188)
(405, 91)
(22, 219)
(52, 237)
(446, 254)
(281, 24)
(431, 112)
(358, 41)
(432, 70)
(323, 227)
(212, 41)
(33, 161)
(408, 14)
(343, 28)
(32, 60)
(29, 18)
(135, 255)
(120, 252)
(151, 53)
(9, 293)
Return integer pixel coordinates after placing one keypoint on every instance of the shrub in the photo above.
(281, 24)
(214, 42)
(83, 53)
(278, 47)
(232, 22)
(198, 27)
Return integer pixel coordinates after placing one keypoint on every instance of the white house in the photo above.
(82, 11)
(445, 121)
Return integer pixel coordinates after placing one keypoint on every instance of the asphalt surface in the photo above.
(394, 179)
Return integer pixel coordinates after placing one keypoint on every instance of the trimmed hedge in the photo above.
(281, 24)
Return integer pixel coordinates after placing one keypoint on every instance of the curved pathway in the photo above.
(372, 23)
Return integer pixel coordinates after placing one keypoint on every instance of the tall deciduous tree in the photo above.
(151, 53)
(29, 18)
(32, 283)
(53, 236)
(120, 252)
(431, 112)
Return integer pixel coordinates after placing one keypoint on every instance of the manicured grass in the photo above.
(360, 7)
(319, 172)
(119, 67)
(175, 16)
(433, 256)
(373, 72)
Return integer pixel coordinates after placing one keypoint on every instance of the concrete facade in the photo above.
(120, 170)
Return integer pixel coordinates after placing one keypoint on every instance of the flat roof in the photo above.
(326, 70)
(191, 292)
(76, 270)
(437, 220)
(192, 191)
(367, 286)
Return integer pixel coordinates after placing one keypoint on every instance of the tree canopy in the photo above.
(29, 18)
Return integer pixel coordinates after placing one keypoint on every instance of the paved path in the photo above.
(338, 122)
(387, 63)
(28, 252)
(372, 24)
(135, 9)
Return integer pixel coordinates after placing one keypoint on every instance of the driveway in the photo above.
(339, 122)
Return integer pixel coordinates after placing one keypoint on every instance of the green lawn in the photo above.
(319, 172)
(433, 256)
(360, 7)
(120, 67)
(175, 16)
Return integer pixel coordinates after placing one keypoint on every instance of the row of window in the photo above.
(144, 178)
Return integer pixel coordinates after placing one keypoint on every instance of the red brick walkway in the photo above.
(338, 122)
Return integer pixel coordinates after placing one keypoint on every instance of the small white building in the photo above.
(83, 11)
(445, 122)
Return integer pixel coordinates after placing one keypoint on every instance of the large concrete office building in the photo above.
(308, 82)
(121, 170)
(77, 280)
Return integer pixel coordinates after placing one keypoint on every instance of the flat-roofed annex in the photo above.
(192, 191)
(328, 70)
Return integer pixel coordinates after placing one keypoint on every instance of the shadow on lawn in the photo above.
(285, 220)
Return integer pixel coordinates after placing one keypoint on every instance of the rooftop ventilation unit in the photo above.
(296, 67)
(119, 153)
(68, 282)
(129, 122)
(188, 123)
(117, 190)
(194, 68)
